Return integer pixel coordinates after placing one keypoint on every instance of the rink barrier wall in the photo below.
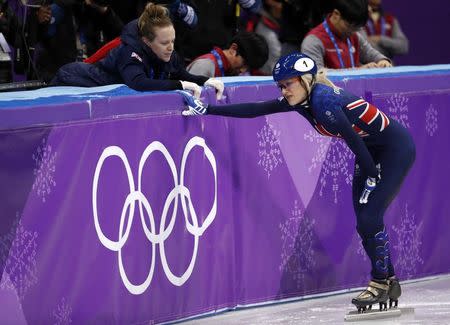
(116, 209)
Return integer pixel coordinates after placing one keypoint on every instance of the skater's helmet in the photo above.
(293, 65)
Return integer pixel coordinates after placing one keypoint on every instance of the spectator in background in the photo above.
(98, 24)
(217, 24)
(298, 17)
(52, 33)
(145, 60)
(268, 26)
(247, 51)
(180, 11)
(383, 31)
(11, 35)
(335, 43)
(128, 10)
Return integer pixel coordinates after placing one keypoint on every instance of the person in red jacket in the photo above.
(336, 43)
(247, 52)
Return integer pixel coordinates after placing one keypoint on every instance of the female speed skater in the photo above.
(384, 153)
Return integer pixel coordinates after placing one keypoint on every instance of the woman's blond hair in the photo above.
(321, 78)
(153, 16)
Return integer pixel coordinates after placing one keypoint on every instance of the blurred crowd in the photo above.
(213, 37)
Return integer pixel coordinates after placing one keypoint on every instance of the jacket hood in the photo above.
(130, 36)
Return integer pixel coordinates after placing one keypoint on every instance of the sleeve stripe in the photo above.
(355, 104)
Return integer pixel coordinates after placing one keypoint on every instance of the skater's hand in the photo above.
(194, 106)
(369, 186)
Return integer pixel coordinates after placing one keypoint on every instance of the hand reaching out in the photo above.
(194, 105)
(196, 89)
(217, 84)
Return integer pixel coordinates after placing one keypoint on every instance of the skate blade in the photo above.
(354, 316)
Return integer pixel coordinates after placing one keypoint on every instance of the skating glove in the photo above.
(379, 172)
(216, 83)
(369, 186)
(194, 106)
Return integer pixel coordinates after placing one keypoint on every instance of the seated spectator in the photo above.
(336, 44)
(298, 17)
(268, 26)
(383, 31)
(247, 51)
(145, 60)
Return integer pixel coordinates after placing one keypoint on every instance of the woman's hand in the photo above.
(196, 89)
(384, 64)
(369, 65)
(44, 14)
(217, 84)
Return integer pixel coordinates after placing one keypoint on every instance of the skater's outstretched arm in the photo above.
(197, 107)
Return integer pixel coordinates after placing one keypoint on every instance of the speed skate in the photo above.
(371, 314)
(379, 292)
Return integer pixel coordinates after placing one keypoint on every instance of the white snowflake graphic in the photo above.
(409, 243)
(297, 254)
(336, 159)
(269, 148)
(360, 251)
(398, 109)
(62, 313)
(18, 253)
(431, 120)
(44, 158)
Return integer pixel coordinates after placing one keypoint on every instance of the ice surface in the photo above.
(430, 299)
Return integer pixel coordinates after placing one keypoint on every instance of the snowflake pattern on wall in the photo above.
(360, 251)
(44, 159)
(431, 120)
(336, 158)
(408, 247)
(297, 254)
(398, 109)
(18, 250)
(269, 151)
(62, 313)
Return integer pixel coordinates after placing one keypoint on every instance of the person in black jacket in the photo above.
(51, 32)
(98, 24)
(218, 23)
(145, 60)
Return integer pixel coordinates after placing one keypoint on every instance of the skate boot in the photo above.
(376, 293)
(395, 291)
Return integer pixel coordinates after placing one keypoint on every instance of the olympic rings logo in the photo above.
(136, 196)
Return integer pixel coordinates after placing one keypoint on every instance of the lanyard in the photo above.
(338, 52)
(219, 61)
(372, 27)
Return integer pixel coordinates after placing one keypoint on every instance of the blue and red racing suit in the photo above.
(372, 136)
